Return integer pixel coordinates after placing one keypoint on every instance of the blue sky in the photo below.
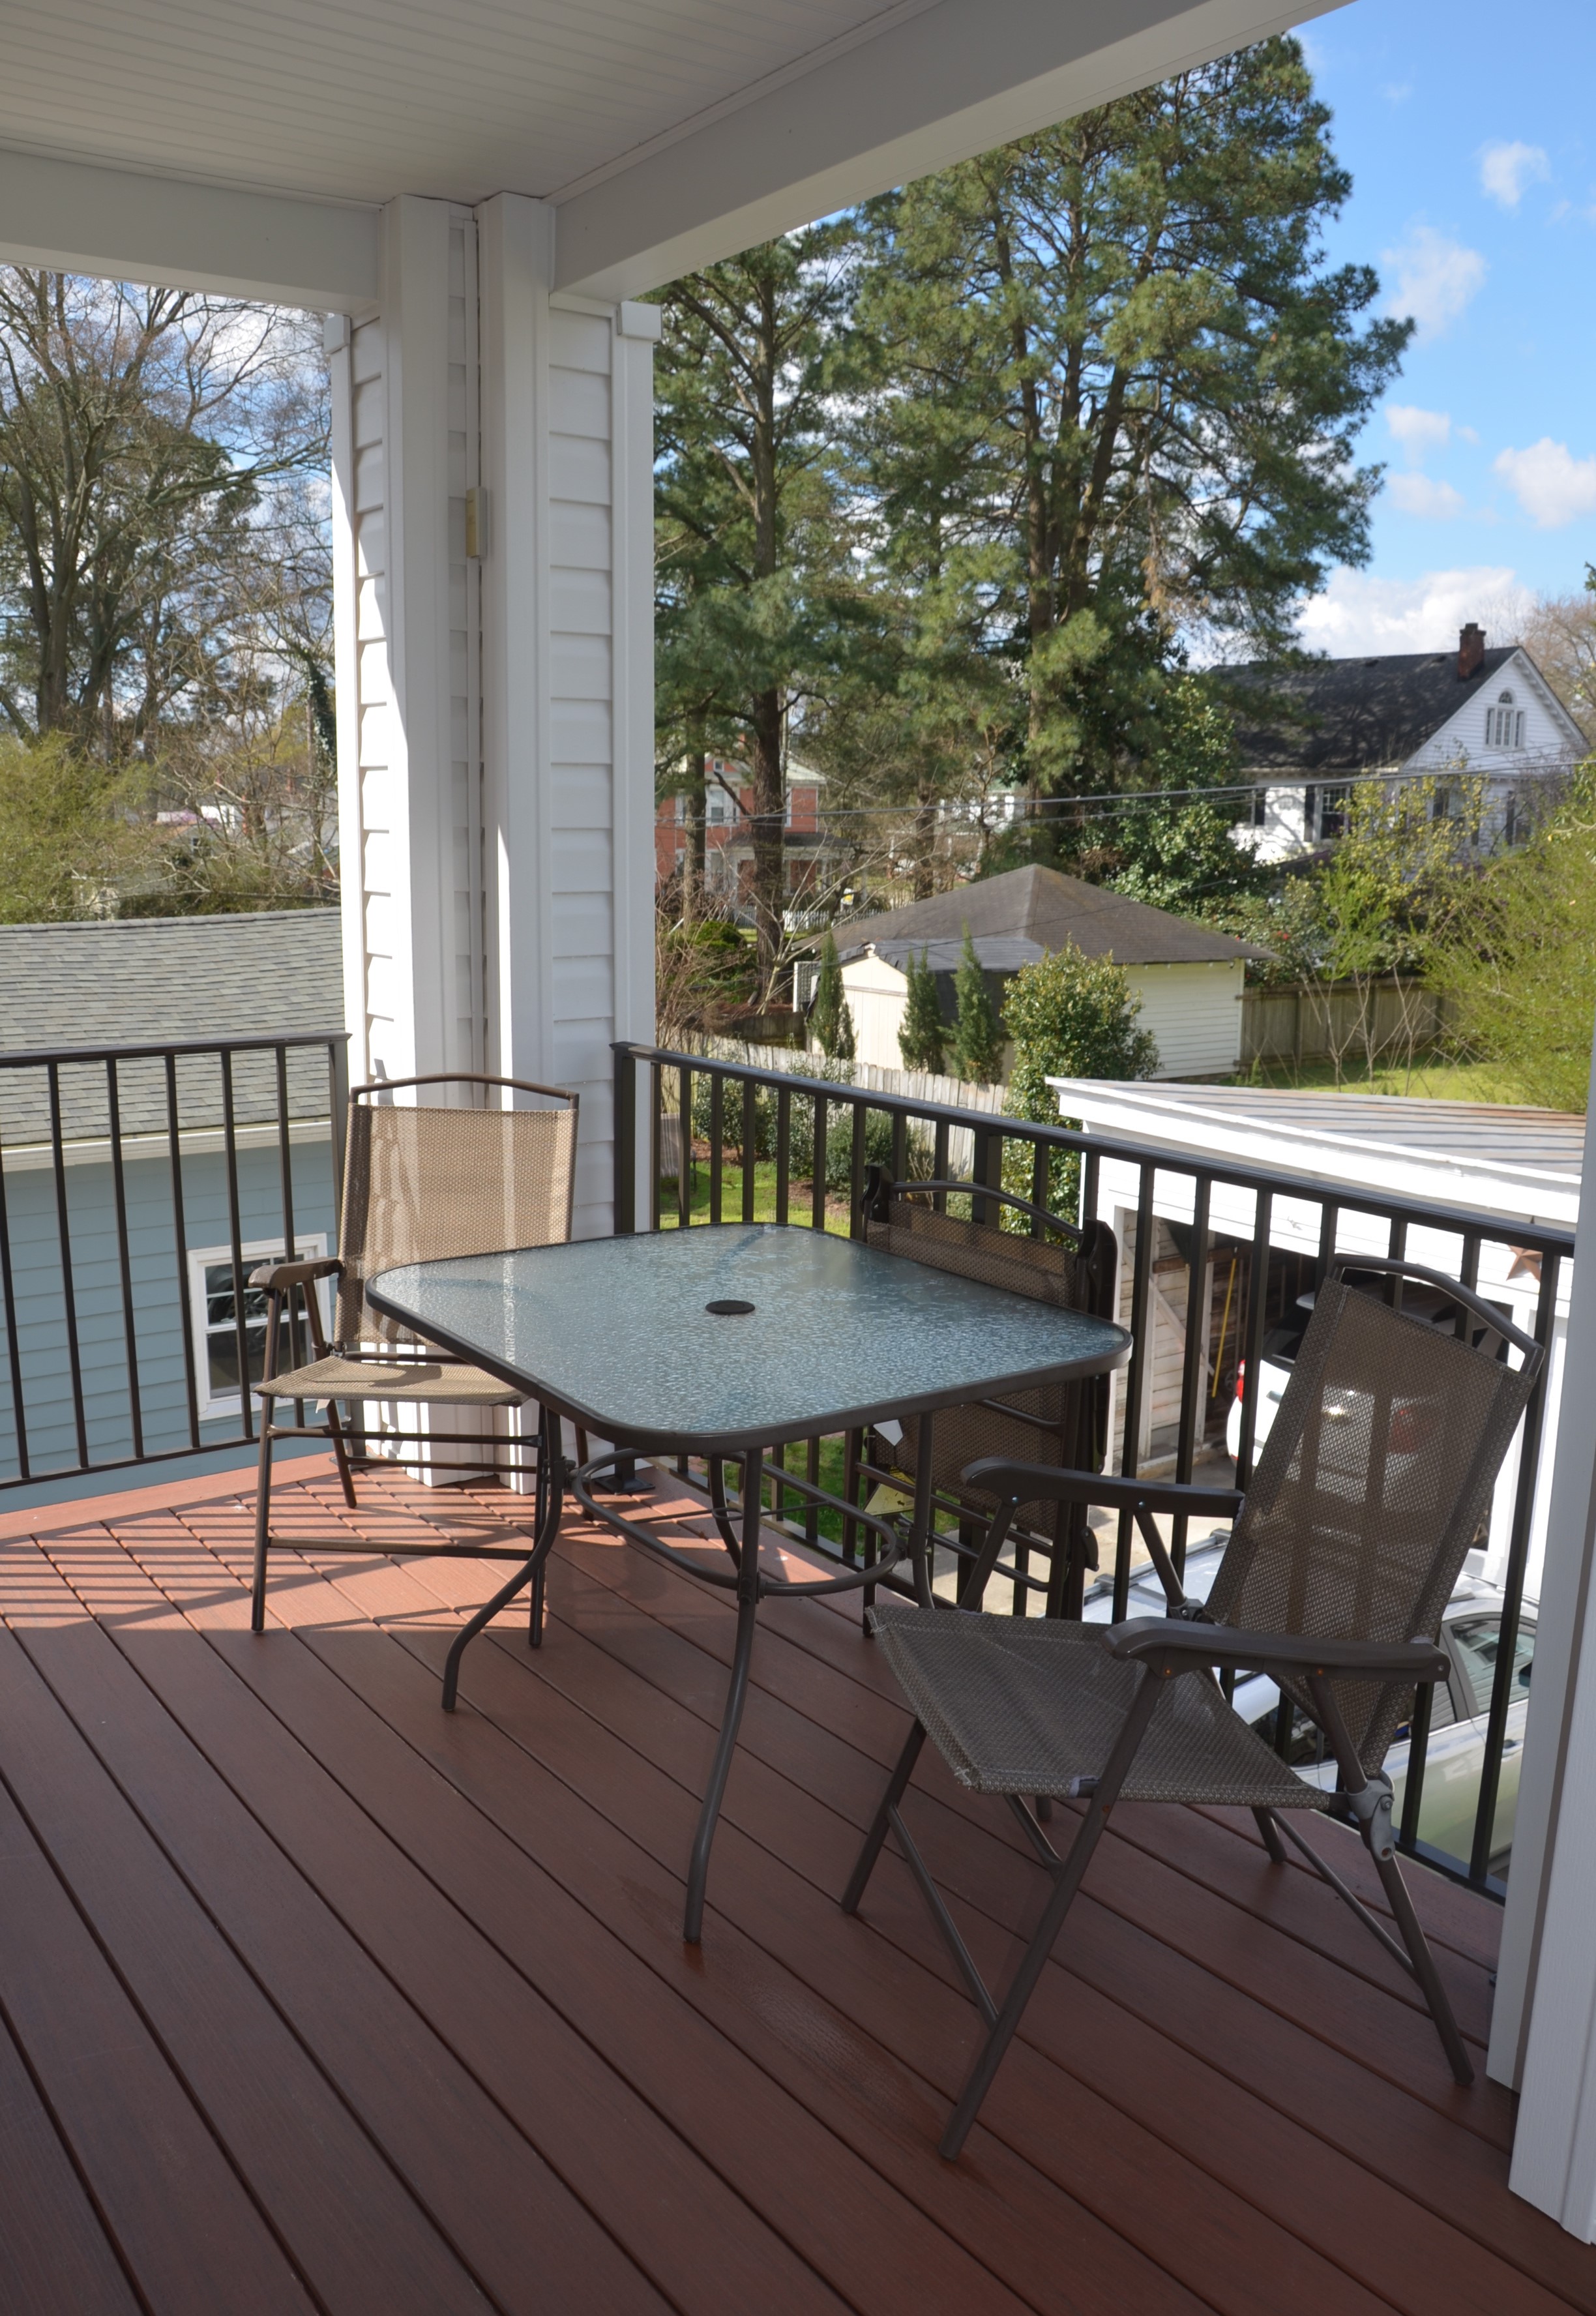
(1468, 133)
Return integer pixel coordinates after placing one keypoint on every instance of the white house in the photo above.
(1188, 980)
(1306, 733)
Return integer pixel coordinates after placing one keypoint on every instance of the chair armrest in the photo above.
(1029, 1483)
(277, 1278)
(1182, 1647)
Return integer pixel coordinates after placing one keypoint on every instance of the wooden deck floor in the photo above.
(314, 1999)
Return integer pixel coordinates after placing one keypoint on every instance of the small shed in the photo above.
(1188, 979)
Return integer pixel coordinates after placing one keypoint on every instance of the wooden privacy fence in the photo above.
(1386, 1020)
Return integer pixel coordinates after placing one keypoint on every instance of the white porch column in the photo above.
(496, 734)
(409, 751)
(567, 436)
(1543, 2029)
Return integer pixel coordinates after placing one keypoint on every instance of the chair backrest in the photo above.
(423, 1182)
(1060, 1423)
(1375, 1480)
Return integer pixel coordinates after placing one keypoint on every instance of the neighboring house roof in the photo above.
(1486, 1156)
(1347, 716)
(146, 980)
(1022, 915)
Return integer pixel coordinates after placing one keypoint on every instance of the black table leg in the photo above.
(922, 1517)
(531, 1572)
(698, 1869)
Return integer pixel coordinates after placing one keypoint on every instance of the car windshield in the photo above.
(1478, 1639)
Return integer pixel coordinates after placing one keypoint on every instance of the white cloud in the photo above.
(1397, 92)
(1551, 484)
(1435, 279)
(1418, 431)
(1358, 613)
(1418, 495)
(1505, 171)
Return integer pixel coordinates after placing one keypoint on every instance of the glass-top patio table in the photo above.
(725, 1341)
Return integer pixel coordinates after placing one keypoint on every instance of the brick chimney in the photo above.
(1471, 651)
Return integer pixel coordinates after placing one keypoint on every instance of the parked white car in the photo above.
(1471, 1633)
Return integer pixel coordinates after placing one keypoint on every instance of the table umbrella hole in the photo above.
(729, 1310)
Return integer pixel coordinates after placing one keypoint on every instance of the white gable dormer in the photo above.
(1512, 723)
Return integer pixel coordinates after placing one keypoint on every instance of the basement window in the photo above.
(215, 1318)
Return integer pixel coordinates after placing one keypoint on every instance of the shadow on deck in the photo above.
(314, 1999)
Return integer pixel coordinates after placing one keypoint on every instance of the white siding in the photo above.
(876, 995)
(1195, 1013)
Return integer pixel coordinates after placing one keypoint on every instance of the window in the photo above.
(1504, 722)
(1260, 806)
(1476, 1641)
(215, 1318)
(1333, 812)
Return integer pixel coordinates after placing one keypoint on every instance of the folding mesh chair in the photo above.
(1373, 1484)
(421, 1182)
(1064, 1424)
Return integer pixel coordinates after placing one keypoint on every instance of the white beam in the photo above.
(940, 84)
(324, 256)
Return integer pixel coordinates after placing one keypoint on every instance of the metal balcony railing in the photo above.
(140, 1185)
(721, 1138)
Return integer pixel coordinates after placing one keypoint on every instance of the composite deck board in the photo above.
(443, 1958)
(450, 1574)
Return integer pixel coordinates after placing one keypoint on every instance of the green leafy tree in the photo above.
(831, 1018)
(923, 1041)
(977, 1033)
(1174, 849)
(1125, 375)
(1070, 1015)
(1520, 973)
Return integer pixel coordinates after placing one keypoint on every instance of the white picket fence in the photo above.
(869, 1077)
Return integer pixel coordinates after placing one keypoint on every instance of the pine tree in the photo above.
(923, 1041)
(831, 1022)
(977, 1034)
(1130, 382)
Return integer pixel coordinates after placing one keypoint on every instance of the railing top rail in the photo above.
(1538, 1238)
(38, 1059)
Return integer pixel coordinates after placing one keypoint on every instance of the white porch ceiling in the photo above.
(666, 131)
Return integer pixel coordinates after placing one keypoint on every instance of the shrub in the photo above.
(923, 1041)
(1070, 1015)
(977, 1036)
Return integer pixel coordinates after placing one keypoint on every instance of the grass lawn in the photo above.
(731, 1197)
(1439, 1080)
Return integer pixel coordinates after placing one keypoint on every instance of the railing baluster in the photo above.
(626, 1140)
(14, 1345)
(818, 1187)
(783, 1149)
(939, 1165)
(1136, 1375)
(124, 1258)
(235, 1224)
(180, 1240)
(1193, 1367)
(1257, 1319)
(657, 1106)
(750, 1147)
(1512, 1581)
(717, 1134)
(684, 1148)
(68, 1284)
(856, 1171)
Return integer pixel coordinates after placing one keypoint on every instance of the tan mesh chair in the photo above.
(1064, 1424)
(421, 1181)
(1375, 1480)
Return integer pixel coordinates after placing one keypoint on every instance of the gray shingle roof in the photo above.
(1026, 912)
(146, 981)
(166, 981)
(1347, 715)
